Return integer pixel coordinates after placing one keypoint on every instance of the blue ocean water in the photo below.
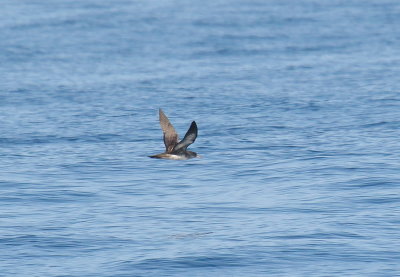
(298, 108)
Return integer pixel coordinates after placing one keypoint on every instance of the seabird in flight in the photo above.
(175, 150)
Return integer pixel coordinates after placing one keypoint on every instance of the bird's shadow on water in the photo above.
(189, 235)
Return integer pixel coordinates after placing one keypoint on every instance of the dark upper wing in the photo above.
(189, 138)
(170, 135)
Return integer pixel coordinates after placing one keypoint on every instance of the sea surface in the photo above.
(298, 109)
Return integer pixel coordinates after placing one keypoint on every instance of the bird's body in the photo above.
(184, 156)
(175, 150)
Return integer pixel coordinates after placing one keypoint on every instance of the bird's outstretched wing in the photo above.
(170, 135)
(189, 138)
